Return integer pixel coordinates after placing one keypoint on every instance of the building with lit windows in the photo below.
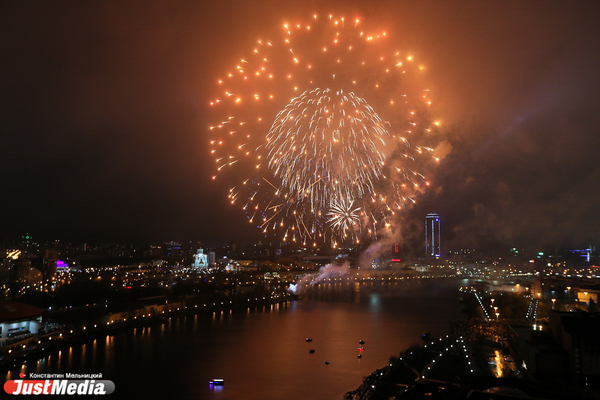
(200, 259)
(19, 320)
(433, 246)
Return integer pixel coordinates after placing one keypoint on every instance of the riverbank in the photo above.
(451, 367)
(20, 353)
(479, 355)
(263, 351)
(443, 358)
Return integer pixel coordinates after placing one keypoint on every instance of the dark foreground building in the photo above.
(18, 319)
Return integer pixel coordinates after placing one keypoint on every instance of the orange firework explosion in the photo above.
(315, 126)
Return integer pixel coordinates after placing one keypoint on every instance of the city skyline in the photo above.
(105, 123)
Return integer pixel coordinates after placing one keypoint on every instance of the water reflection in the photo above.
(497, 363)
(231, 345)
(216, 391)
(375, 302)
(94, 353)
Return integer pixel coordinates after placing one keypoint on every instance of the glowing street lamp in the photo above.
(497, 316)
(553, 301)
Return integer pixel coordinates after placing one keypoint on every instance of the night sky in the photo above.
(103, 116)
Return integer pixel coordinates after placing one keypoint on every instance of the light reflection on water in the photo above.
(262, 353)
(375, 302)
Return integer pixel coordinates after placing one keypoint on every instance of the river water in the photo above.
(263, 354)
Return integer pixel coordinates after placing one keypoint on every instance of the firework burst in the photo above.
(343, 215)
(318, 123)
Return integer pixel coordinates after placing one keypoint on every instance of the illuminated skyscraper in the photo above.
(432, 236)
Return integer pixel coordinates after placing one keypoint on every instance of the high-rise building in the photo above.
(432, 236)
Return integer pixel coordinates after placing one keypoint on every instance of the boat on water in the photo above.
(217, 381)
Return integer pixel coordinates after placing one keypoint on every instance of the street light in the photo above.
(553, 301)
(497, 316)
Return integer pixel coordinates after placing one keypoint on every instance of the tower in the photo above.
(432, 236)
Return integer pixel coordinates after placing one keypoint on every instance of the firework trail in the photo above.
(318, 123)
(325, 272)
